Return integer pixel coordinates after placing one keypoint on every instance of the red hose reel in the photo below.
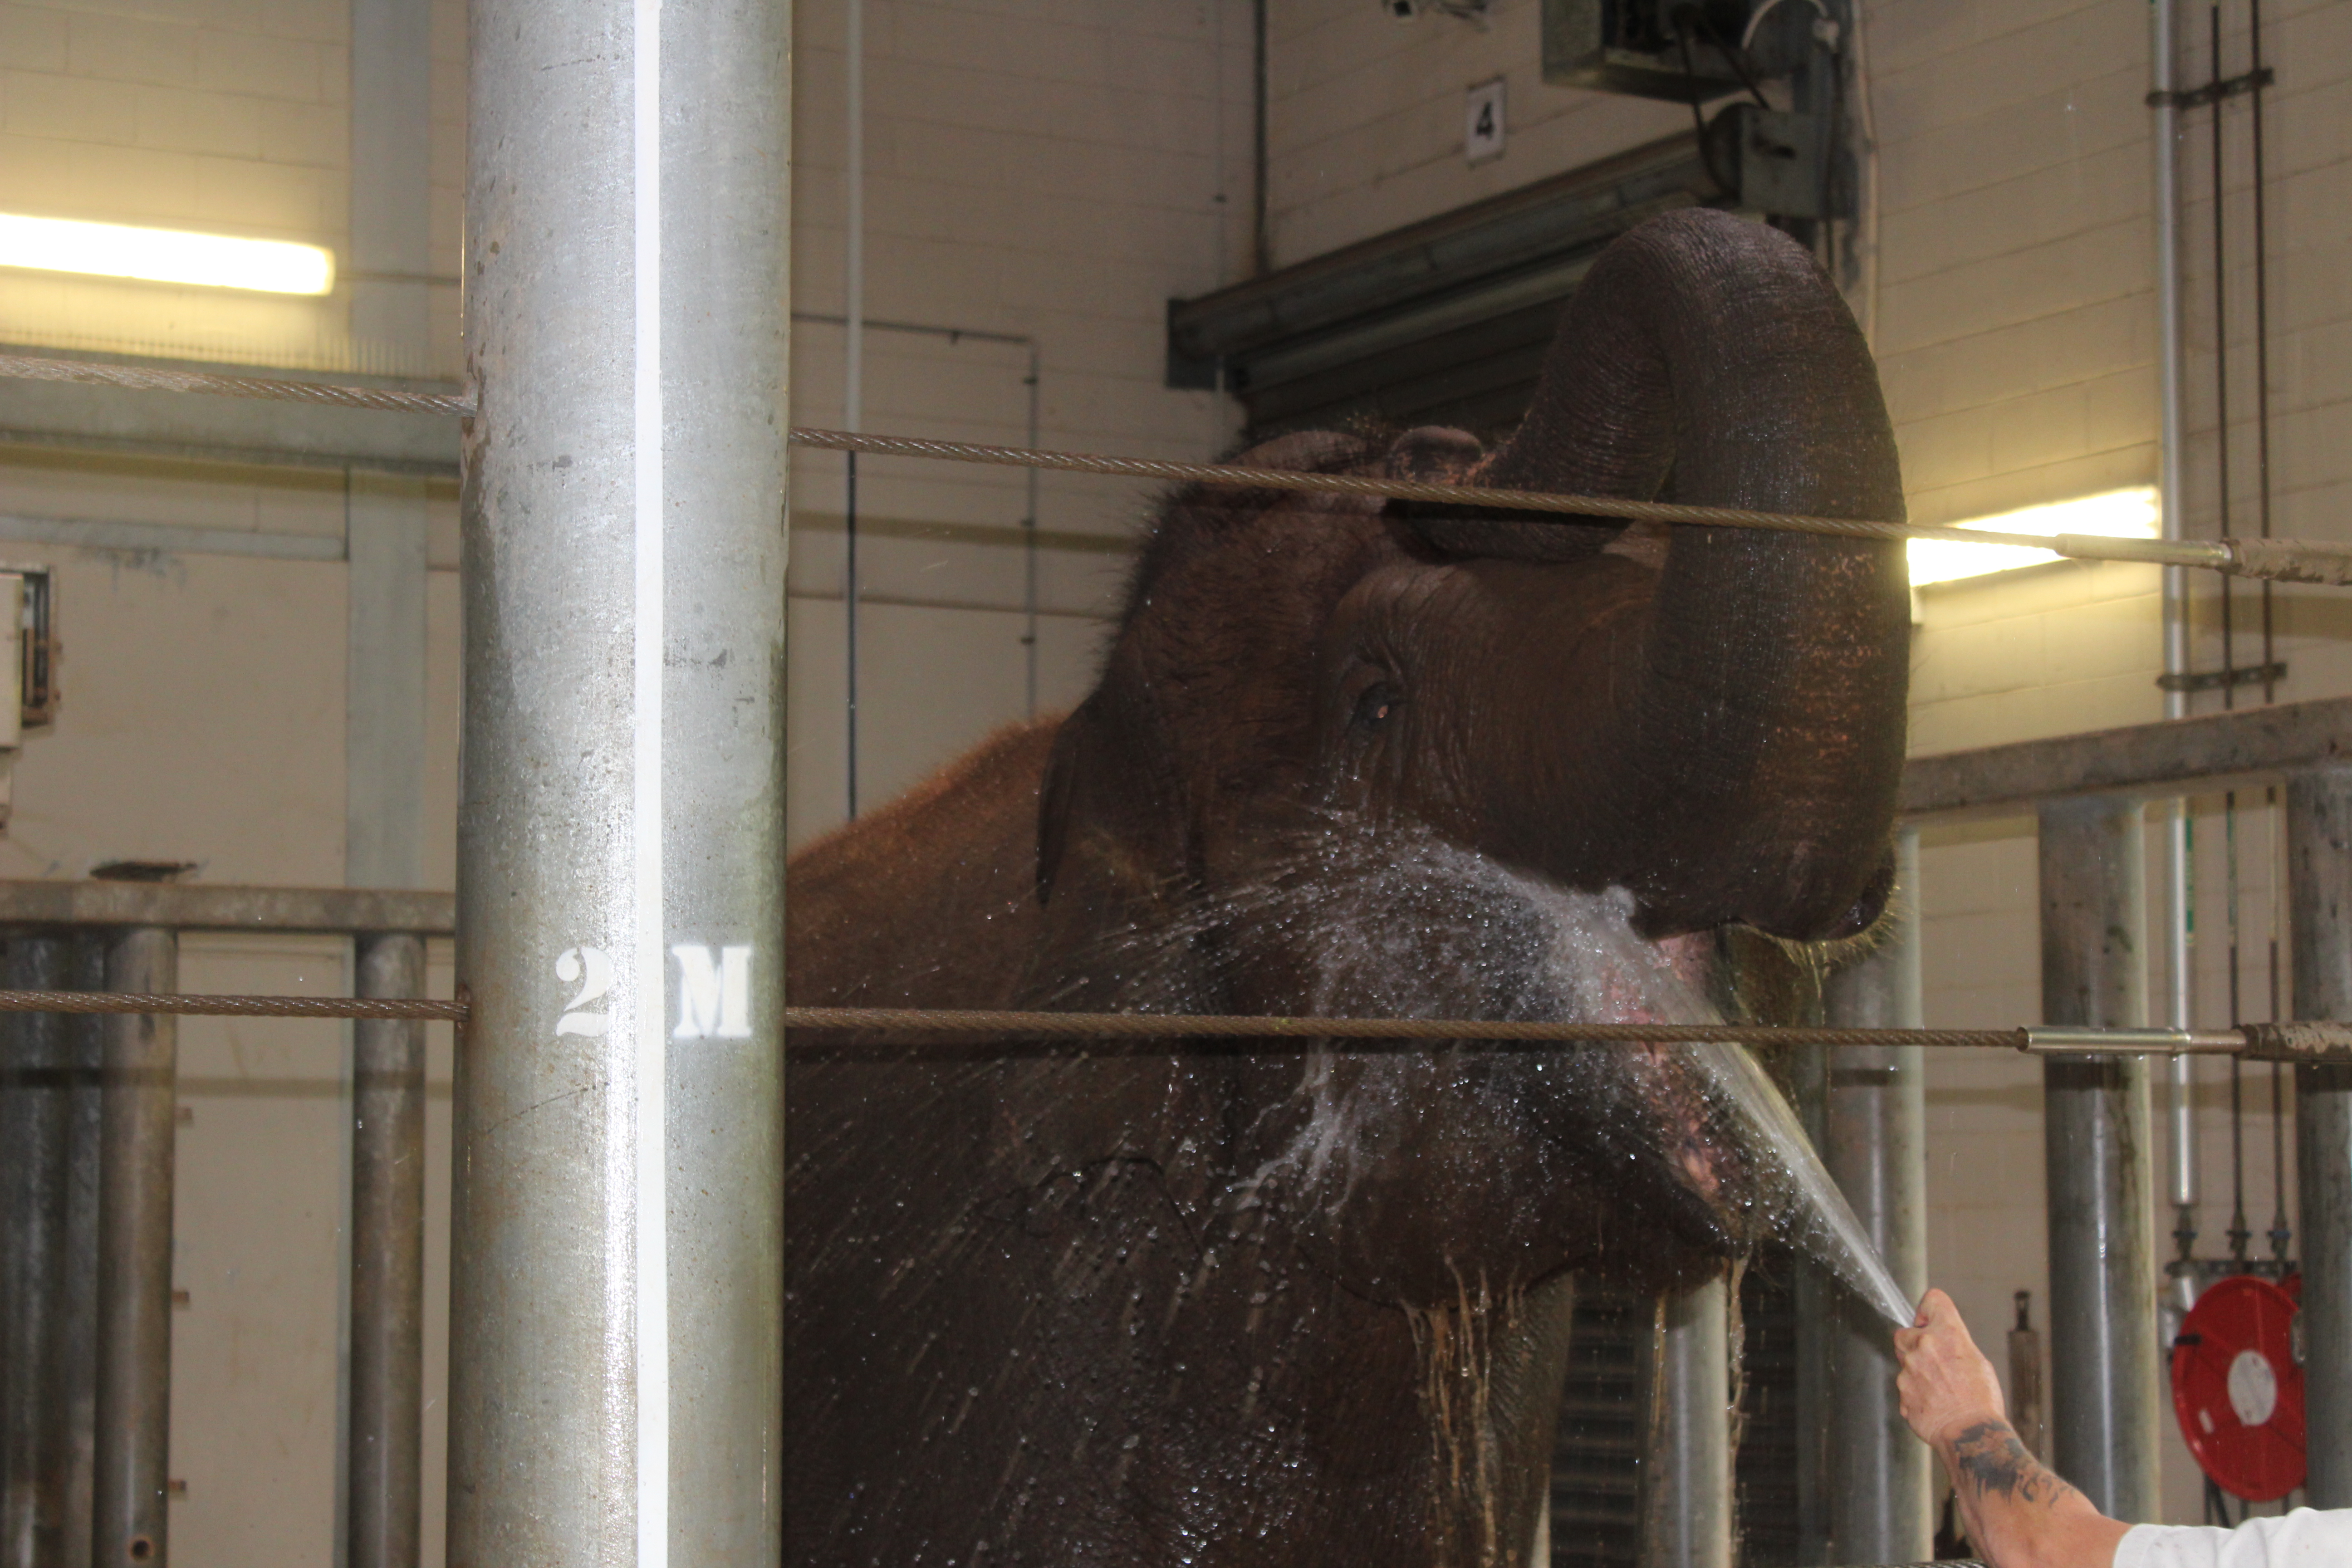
(2237, 1388)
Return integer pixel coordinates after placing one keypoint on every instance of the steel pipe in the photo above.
(386, 1406)
(616, 1330)
(77, 1337)
(1687, 1492)
(2103, 1341)
(37, 1086)
(2319, 927)
(1880, 1502)
(138, 1099)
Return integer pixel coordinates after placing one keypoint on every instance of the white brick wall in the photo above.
(229, 116)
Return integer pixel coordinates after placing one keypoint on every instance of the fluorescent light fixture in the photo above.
(2118, 514)
(164, 254)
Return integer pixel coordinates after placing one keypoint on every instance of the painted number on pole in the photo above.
(588, 968)
(714, 992)
(1482, 123)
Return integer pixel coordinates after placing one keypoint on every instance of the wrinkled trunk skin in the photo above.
(1272, 1305)
(1743, 764)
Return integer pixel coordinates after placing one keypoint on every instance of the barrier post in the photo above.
(1686, 1494)
(1876, 1476)
(2096, 1137)
(2319, 926)
(36, 1091)
(386, 1415)
(138, 1101)
(617, 1336)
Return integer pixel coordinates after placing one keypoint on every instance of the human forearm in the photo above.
(2020, 1514)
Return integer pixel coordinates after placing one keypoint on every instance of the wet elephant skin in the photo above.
(1267, 1307)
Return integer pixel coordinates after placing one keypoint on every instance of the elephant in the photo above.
(1271, 1302)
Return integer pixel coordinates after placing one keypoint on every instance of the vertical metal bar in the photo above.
(1686, 1496)
(135, 1258)
(36, 1091)
(616, 1332)
(2319, 927)
(387, 1409)
(2103, 1342)
(1816, 1293)
(1880, 1507)
(77, 1339)
(2180, 1070)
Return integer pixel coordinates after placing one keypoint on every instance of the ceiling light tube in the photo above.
(2113, 514)
(164, 254)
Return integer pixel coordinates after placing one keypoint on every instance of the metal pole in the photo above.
(135, 1258)
(2180, 1071)
(2103, 1342)
(1880, 1500)
(387, 1342)
(78, 1298)
(1687, 1493)
(36, 1086)
(2319, 901)
(616, 1331)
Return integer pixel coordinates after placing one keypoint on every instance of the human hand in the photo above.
(1946, 1383)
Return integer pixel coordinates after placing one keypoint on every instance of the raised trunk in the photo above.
(1757, 733)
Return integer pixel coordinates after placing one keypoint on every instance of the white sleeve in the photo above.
(2303, 1539)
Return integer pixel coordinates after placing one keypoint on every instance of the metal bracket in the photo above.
(2217, 680)
(2214, 92)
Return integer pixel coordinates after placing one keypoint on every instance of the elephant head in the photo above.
(1240, 1305)
(1412, 758)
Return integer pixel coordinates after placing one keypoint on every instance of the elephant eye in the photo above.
(1373, 708)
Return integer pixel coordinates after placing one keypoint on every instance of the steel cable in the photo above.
(2275, 560)
(147, 378)
(232, 1006)
(2274, 1042)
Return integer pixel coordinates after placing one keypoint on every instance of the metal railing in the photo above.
(91, 1108)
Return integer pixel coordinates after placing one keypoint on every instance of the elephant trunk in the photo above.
(1755, 735)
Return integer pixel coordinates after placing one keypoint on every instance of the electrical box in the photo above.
(1782, 162)
(29, 663)
(1674, 49)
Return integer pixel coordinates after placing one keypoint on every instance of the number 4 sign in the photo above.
(1482, 123)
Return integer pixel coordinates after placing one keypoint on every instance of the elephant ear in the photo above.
(1112, 800)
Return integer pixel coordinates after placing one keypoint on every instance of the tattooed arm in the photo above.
(2018, 1514)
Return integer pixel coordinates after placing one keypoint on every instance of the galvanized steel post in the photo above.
(135, 1258)
(386, 1412)
(617, 1336)
(2100, 1194)
(1686, 1494)
(1876, 1474)
(2319, 924)
(36, 1088)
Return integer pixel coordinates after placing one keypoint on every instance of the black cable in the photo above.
(2239, 1232)
(1698, 116)
(1735, 58)
(2261, 339)
(2221, 379)
(2281, 1235)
